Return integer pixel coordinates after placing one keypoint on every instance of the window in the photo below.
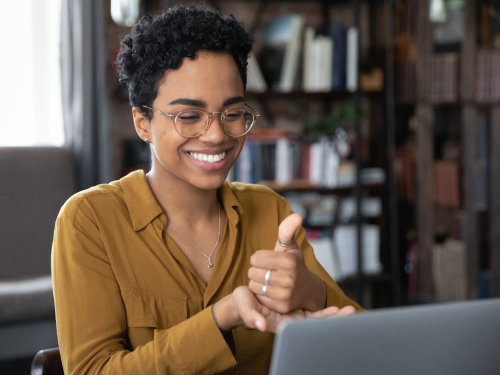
(30, 82)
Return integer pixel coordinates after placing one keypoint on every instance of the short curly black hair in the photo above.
(158, 43)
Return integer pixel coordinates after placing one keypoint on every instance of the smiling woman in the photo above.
(179, 271)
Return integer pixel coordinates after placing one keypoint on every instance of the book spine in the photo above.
(307, 59)
(352, 59)
(292, 55)
(338, 34)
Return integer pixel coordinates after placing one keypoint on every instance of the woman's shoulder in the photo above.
(99, 197)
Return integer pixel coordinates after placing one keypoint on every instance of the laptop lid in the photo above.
(451, 338)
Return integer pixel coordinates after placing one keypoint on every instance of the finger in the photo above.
(348, 310)
(329, 311)
(259, 275)
(250, 315)
(268, 259)
(253, 319)
(276, 306)
(280, 278)
(272, 291)
(286, 233)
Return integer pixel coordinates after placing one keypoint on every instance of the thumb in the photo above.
(286, 233)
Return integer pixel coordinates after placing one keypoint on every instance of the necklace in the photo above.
(210, 264)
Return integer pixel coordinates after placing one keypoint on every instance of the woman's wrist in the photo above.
(225, 313)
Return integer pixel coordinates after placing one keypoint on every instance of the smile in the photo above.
(209, 158)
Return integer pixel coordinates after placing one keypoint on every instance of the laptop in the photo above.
(450, 338)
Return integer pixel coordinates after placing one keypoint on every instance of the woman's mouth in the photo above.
(210, 161)
(208, 158)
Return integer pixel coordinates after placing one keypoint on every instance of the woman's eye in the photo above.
(234, 115)
(189, 116)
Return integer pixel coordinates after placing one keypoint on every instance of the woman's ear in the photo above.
(142, 125)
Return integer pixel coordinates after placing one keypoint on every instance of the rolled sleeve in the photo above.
(190, 349)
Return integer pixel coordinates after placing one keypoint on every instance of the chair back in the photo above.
(47, 362)
(34, 184)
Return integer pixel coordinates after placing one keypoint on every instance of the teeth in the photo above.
(209, 158)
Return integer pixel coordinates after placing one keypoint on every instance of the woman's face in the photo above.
(210, 82)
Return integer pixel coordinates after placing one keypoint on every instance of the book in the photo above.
(487, 75)
(326, 254)
(345, 241)
(255, 79)
(317, 62)
(339, 37)
(411, 268)
(442, 78)
(481, 167)
(271, 155)
(449, 270)
(449, 32)
(446, 191)
(281, 51)
(283, 162)
(352, 59)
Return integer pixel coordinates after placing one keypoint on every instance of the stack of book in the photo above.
(325, 59)
(449, 271)
(338, 255)
(346, 246)
(442, 78)
(488, 75)
(272, 156)
(446, 190)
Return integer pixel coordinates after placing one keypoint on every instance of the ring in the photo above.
(287, 244)
(266, 279)
(264, 290)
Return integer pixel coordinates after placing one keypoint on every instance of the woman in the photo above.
(166, 272)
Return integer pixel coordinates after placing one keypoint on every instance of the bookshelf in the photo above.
(452, 121)
(369, 132)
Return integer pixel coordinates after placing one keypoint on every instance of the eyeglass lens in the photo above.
(192, 122)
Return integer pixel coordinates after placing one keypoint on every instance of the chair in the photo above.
(47, 362)
(34, 184)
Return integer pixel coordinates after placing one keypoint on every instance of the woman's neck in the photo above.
(184, 205)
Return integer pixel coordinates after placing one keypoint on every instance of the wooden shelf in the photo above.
(301, 94)
(305, 186)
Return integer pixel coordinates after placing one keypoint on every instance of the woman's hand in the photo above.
(242, 308)
(291, 285)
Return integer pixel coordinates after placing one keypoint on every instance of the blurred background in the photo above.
(380, 125)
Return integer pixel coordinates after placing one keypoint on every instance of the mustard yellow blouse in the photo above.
(129, 302)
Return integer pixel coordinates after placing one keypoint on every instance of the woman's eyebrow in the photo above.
(191, 102)
(236, 99)
(202, 104)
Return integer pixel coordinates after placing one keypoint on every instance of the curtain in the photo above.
(84, 94)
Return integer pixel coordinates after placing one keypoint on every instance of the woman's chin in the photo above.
(210, 183)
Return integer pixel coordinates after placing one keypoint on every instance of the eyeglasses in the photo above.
(191, 123)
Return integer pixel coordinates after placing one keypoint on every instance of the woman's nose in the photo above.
(215, 132)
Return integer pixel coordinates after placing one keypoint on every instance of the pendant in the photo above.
(210, 264)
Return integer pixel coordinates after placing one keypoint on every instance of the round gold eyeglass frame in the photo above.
(173, 117)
